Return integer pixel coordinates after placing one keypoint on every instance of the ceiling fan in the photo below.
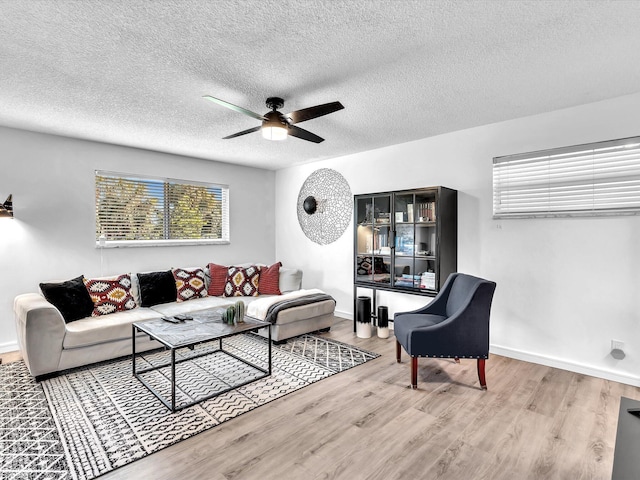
(276, 125)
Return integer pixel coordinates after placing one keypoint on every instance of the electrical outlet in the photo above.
(617, 345)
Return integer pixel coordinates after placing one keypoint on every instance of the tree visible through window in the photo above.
(131, 209)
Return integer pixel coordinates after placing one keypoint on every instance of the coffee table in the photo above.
(205, 326)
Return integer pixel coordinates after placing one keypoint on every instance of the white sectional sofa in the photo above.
(49, 344)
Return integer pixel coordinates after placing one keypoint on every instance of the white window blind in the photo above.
(135, 211)
(600, 178)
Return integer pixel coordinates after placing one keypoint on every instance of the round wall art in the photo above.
(325, 204)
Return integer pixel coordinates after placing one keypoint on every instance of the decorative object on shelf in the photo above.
(383, 322)
(324, 206)
(239, 311)
(363, 318)
(410, 213)
(6, 209)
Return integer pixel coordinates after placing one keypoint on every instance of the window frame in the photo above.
(102, 242)
(592, 180)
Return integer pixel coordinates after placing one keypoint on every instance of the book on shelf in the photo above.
(428, 280)
(427, 211)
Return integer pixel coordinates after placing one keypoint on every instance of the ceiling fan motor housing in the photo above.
(276, 118)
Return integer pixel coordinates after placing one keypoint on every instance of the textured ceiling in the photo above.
(133, 72)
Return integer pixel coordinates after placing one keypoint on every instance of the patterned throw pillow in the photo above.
(270, 280)
(242, 282)
(190, 283)
(218, 279)
(110, 295)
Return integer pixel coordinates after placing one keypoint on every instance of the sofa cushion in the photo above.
(110, 294)
(177, 308)
(70, 297)
(157, 287)
(242, 282)
(290, 279)
(108, 328)
(217, 279)
(270, 280)
(190, 283)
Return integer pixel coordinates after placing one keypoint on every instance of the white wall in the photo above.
(52, 235)
(566, 287)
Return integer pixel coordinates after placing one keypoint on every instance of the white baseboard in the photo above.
(9, 347)
(566, 365)
(498, 350)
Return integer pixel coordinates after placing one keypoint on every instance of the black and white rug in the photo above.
(95, 419)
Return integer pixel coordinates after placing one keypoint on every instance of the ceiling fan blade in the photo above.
(244, 132)
(304, 134)
(234, 107)
(314, 112)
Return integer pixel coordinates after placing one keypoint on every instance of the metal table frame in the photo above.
(171, 405)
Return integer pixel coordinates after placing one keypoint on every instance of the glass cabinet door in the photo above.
(414, 265)
(425, 258)
(426, 246)
(404, 266)
(373, 234)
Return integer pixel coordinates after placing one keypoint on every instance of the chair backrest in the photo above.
(461, 292)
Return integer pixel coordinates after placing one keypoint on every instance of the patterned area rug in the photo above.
(95, 419)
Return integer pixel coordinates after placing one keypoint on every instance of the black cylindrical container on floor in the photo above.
(363, 314)
(383, 317)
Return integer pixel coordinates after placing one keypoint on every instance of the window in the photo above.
(137, 211)
(594, 179)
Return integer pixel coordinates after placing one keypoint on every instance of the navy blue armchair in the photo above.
(454, 325)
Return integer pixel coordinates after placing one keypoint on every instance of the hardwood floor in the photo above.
(533, 422)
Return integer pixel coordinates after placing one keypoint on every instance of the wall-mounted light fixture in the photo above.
(6, 209)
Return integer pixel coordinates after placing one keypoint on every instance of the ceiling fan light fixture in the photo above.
(274, 132)
(274, 126)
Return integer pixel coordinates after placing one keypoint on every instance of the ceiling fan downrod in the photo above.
(274, 103)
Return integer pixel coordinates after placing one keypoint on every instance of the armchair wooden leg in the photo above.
(481, 377)
(398, 351)
(414, 372)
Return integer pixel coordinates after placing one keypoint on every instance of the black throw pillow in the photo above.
(71, 298)
(157, 287)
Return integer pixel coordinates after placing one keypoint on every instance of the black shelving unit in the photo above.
(405, 241)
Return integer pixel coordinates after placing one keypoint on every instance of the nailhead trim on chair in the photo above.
(452, 356)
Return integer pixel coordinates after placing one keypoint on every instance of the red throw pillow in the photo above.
(270, 280)
(189, 283)
(242, 282)
(218, 274)
(110, 295)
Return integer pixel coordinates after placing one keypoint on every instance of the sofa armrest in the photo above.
(40, 329)
(290, 279)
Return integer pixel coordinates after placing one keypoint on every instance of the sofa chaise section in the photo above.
(48, 344)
